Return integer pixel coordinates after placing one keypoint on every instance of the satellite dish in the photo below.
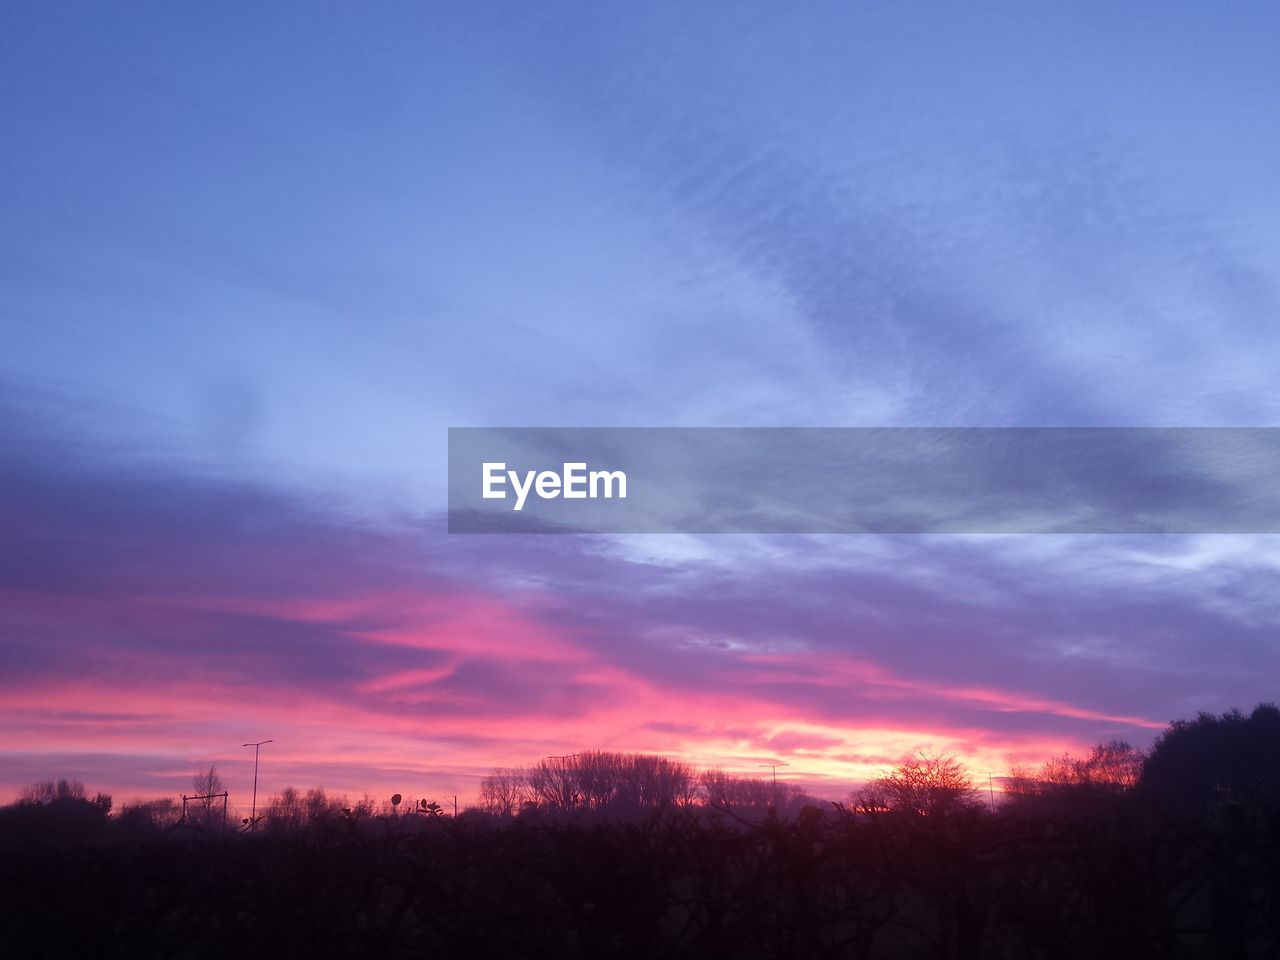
(395, 799)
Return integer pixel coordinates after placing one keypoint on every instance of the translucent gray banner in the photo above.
(864, 480)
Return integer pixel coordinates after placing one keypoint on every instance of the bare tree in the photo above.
(597, 777)
(163, 812)
(553, 784)
(874, 798)
(318, 807)
(751, 796)
(205, 785)
(657, 781)
(504, 792)
(46, 791)
(1115, 764)
(925, 785)
(629, 780)
(287, 810)
(1111, 767)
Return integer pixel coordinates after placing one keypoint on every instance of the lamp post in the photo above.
(253, 815)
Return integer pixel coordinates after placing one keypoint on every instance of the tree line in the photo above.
(1119, 853)
(628, 783)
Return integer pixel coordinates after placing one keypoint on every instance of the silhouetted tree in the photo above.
(925, 785)
(1111, 769)
(206, 811)
(751, 797)
(151, 814)
(504, 792)
(47, 791)
(1110, 871)
(318, 807)
(1213, 761)
(286, 810)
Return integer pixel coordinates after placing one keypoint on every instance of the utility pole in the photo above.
(774, 766)
(991, 791)
(253, 815)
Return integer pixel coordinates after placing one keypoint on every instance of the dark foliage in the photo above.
(1186, 864)
(1211, 762)
(1116, 880)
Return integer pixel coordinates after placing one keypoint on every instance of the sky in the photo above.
(256, 261)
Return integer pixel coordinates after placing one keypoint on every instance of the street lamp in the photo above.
(253, 815)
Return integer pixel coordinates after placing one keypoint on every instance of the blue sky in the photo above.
(256, 261)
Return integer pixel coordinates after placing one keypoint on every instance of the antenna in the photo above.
(774, 764)
(253, 815)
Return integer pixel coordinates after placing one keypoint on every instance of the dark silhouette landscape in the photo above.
(1170, 853)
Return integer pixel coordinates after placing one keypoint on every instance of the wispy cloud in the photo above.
(164, 613)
